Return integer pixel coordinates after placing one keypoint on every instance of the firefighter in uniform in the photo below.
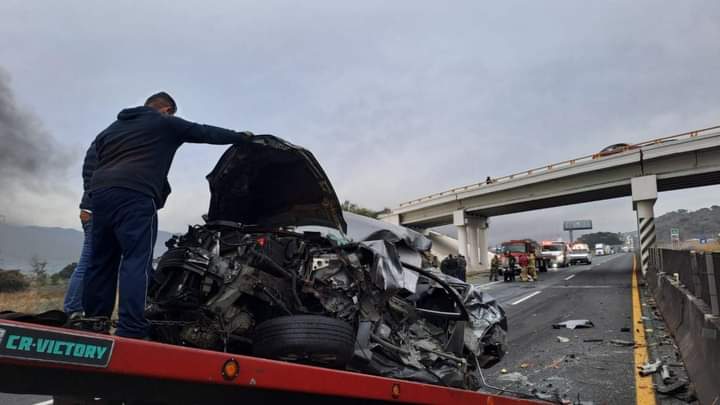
(523, 261)
(532, 267)
(494, 267)
(509, 272)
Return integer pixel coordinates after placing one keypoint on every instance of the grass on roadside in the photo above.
(34, 299)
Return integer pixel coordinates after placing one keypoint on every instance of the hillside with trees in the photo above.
(606, 238)
(701, 224)
(356, 209)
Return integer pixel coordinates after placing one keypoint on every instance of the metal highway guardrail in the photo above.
(564, 164)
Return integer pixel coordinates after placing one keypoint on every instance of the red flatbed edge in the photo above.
(153, 371)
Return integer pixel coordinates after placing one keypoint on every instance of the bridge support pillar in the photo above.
(472, 235)
(482, 228)
(459, 222)
(644, 195)
(392, 219)
(477, 236)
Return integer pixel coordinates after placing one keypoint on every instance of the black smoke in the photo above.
(31, 161)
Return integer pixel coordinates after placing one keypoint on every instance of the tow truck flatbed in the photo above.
(46, 360)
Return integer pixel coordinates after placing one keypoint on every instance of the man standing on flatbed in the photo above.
(132, 158)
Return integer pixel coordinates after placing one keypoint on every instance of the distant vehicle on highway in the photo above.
(580, 254)
(613, 149)
(556, 253)
(599, 249)
(602, 249)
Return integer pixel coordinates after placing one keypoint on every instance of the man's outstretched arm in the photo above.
(199, 133)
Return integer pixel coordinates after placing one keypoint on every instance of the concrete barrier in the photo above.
(695, 330)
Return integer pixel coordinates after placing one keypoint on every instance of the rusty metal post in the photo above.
(712, 287)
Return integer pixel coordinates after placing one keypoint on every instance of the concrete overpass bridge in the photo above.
(690, 159)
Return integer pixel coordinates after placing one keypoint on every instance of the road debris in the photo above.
(593, 340)
(650, 368)
(556, 363)
(620, 342)
(578, 401)
(562, 339)
(514, 377)
(665, 374)
(573, 324)
(547, 396)
(672, 389)
(624, 329)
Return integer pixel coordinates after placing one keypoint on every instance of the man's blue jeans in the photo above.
(123, 236)
(73, 295)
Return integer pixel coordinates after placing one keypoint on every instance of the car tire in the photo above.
(311, 339)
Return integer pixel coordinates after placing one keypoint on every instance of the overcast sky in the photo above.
(396, 99)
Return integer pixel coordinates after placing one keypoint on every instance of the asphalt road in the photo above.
(538, 361)
(597, 371)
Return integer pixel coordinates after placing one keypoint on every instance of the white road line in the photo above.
(487, 285)
(584, 286)
(48, 402)
(525, 298)
(570, 276)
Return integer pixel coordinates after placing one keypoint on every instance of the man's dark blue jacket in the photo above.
(136, 151)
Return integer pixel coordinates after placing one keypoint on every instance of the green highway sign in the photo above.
(577, 224)
(675, 233)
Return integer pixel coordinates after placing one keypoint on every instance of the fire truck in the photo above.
(522, 247)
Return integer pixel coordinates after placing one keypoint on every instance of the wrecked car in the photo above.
(279, 271)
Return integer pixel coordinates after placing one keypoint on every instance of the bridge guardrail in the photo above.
(567, 163)
(680, 302)
(698, 272)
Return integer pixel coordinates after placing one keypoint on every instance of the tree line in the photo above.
(606, 238)
(16, 281)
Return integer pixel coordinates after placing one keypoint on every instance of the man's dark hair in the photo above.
(161, 99)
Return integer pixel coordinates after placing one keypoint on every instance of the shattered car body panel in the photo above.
(219, 281)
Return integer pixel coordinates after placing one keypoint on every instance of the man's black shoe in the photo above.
(97, 324)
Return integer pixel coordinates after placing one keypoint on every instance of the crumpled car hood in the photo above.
(366, 229)
(391, 244)
(272, 183)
